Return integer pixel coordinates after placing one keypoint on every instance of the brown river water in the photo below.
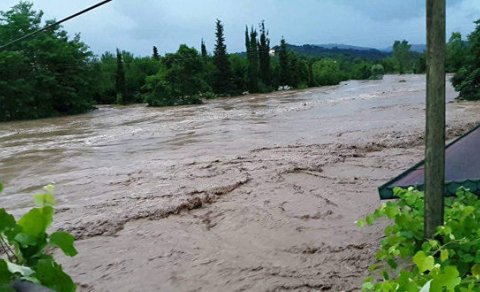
(256, 193)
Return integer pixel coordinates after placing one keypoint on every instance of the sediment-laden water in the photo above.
(249, 193)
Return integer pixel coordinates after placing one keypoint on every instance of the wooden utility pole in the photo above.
(435, 124)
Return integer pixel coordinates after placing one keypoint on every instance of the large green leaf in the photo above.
(36, 221)
(423, 262)
(51, 275)
(65, 241)
(448, 279)
(7, 221)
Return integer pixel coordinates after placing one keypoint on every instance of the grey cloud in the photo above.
(138, 25)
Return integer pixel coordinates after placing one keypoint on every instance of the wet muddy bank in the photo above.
(251, 193)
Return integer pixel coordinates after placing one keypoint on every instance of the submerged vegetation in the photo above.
(408, 262)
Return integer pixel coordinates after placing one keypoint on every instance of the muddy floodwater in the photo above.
(256, 193)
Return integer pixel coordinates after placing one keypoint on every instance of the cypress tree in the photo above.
(264, 55)
(247, 41)
(204, 50)
(120, 79)
(253, 67)
(223, 78)
(155, 55)
(284, 63)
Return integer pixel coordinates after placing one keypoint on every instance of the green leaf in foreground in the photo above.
(449, 279)
(7, 221)
(36, 221)
(423, 262)
(51, 275)
(450, 262)
(65, 241)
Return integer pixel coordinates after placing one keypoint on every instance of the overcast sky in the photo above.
(136, 25)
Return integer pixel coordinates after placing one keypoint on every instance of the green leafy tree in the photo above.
(223, 76)
(283, 63)
(294, 70)
(467, 80)
(240, 70)
(360, 70)
(264, 56)
(179, 80)
(120, 80)
(457, 51)
(402, 56)
(48, 75)
(327, 72)
(420, 66)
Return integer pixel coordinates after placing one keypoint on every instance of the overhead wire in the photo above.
(27, 36)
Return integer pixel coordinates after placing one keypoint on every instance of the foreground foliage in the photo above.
(25, 247)
(408, 262)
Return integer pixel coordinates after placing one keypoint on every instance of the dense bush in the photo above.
(408, 262)
(25, 247)
(179, 81)
(326, 72)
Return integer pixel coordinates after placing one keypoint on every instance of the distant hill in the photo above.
(335, 50)
(344, 47)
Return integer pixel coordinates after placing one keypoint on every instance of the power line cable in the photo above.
(54, 24)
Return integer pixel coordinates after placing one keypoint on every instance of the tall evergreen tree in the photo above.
(223, 77)
(247, 41)
(155, 55)
(264, 55)
(204, 50)
(120, 79)
(284, 63)
(253, 66)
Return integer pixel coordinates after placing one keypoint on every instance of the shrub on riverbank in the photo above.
(408, 262)
(179, 80)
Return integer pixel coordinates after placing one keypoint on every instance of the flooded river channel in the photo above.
(257, 192)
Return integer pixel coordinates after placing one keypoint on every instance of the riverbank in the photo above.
(252, 193)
